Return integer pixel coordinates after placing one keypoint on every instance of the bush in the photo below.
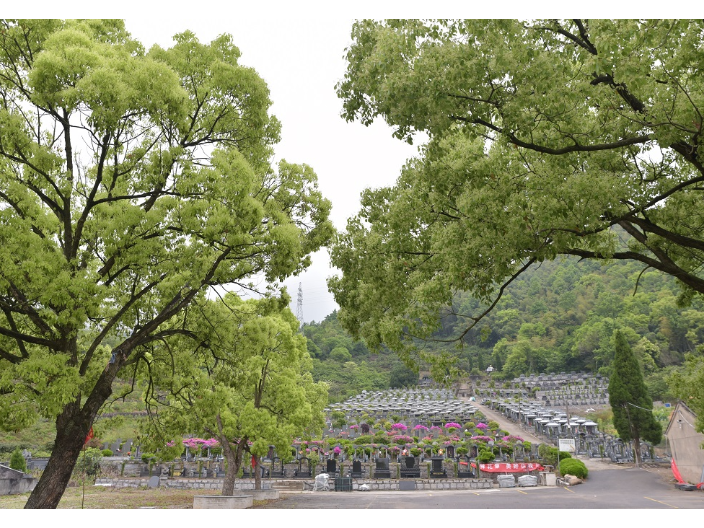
(89, 462)
(17, 461)
(415, 451)
(107, 452)
(485, 456)
(572, 466)
(549, 454)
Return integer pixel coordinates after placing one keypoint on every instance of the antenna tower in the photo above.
(299, 305)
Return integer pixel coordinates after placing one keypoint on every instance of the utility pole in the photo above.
(299, 306)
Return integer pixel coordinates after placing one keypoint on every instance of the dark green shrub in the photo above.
(485, 456)
(107, 452)
(572, 466)
(17, 461)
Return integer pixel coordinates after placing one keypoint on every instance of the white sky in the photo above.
(300, 56)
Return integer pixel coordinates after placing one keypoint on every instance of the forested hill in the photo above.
(559, 316)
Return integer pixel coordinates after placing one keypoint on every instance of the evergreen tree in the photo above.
(629, 399)
(17, 461)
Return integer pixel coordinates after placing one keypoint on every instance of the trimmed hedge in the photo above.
(572, 466)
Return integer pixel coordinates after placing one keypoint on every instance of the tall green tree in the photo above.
(629, 399)
(545, 138)
(131, 183)
(242, 376)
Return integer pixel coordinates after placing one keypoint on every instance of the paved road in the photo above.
(605, 489)
(609, 486)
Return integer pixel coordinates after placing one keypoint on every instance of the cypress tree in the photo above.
(629, 399)
(17, 461)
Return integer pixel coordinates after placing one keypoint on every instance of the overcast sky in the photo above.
(300, 56)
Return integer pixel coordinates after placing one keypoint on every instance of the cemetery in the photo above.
(421, 438)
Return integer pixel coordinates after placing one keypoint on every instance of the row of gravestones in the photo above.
(120, 451)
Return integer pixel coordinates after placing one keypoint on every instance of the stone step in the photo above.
(288, 485)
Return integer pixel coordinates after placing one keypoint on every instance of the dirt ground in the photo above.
(100, 497)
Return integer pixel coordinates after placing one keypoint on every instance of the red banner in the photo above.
(508, 467)
(676, 472)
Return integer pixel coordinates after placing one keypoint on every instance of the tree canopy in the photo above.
(131, 182)
(688, 385)
(243, 377)
(545, 138)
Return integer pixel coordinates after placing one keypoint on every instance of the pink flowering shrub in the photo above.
(482, 426)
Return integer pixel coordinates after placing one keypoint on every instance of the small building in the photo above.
(13, 482)
(686, 444)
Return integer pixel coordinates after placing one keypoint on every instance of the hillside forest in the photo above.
(558, 316)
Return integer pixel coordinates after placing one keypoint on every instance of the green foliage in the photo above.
(549, 454)
(362, 440)
(17, 461)
(106, 452)
(251, 386)
(572, 466)
(688, 385)
(118, 166)
(415, 451)
(89, 462)
(632, 406)
(402, 376)
(340, 354)
(485, 456)
(339, 419)
(500, 189)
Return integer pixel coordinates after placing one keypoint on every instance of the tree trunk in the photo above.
(257, 473)
(234, 460)
(71, 431)
(72, 427)
(636, 449)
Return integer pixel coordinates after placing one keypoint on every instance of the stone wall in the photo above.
(13, 482)
(248, 484)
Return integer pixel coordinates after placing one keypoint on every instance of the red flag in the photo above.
(254, 461)
(90, 435)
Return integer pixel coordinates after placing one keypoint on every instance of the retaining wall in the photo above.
(248, 484)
